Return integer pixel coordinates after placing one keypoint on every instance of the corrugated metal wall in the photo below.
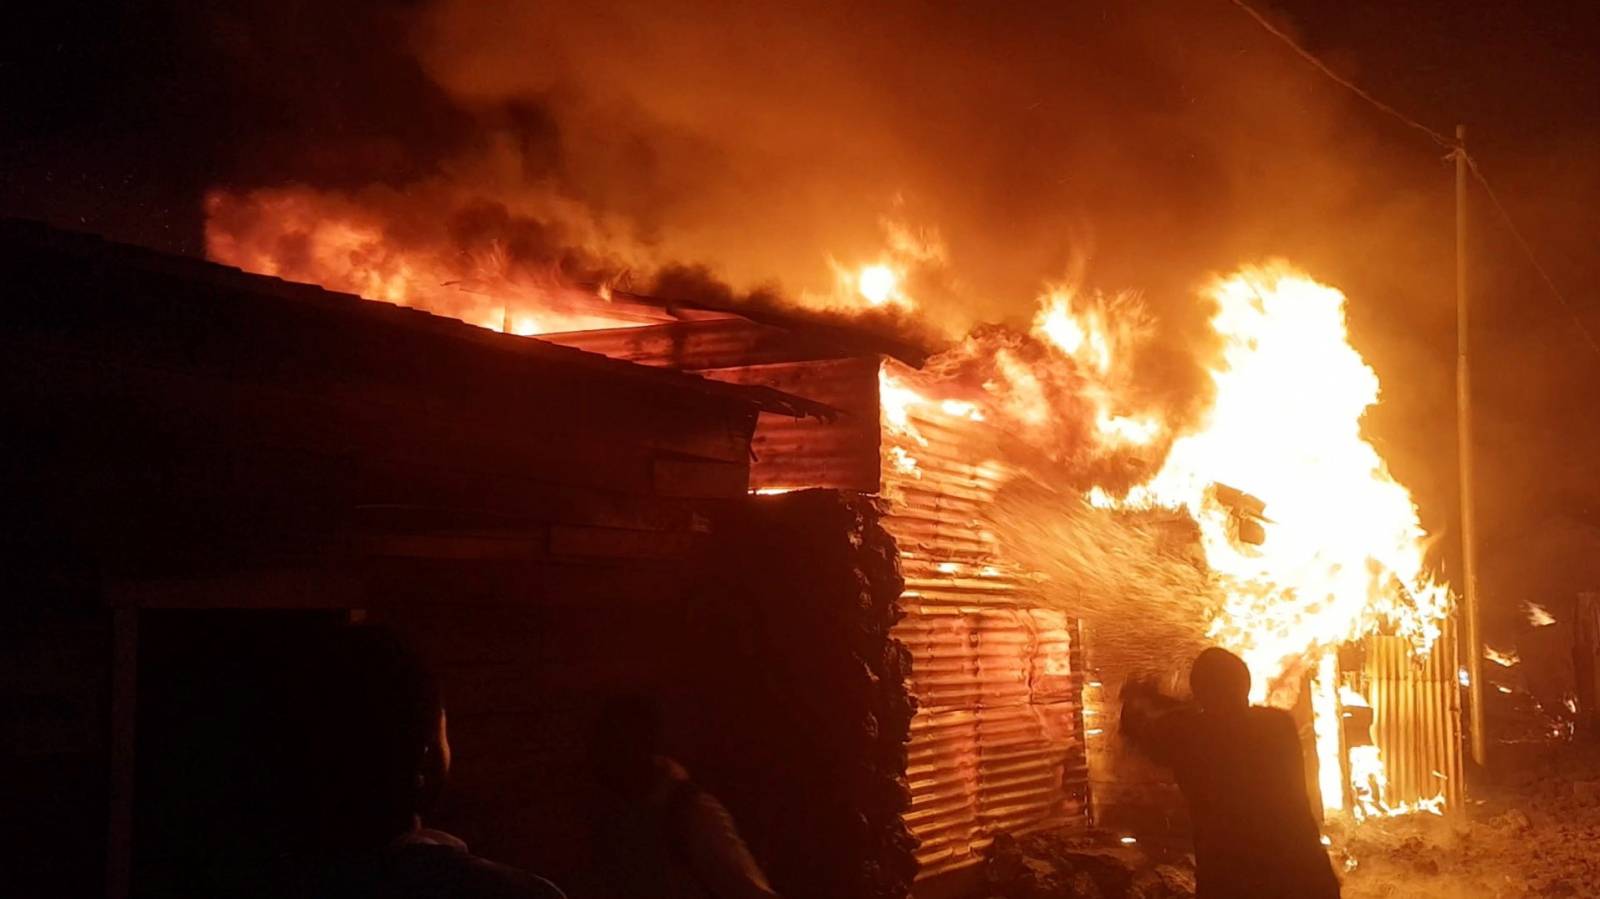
(788, 453)
(1416, 710)
(997, 742)
(792, 452)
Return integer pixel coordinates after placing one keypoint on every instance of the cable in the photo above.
(1441, 139)
(1527, 250)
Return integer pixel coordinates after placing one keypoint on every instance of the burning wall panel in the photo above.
(1416, 720)
(997, 742)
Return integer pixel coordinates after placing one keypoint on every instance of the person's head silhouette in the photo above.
(369, 732)
(1220, 681)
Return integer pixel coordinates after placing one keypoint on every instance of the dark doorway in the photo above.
(208, 812)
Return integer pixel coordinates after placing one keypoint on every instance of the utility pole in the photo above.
(1473, 646)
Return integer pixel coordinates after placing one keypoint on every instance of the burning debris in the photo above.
(1503, 659)
(1538, 616)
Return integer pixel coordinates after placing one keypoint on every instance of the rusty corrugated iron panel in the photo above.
(997, 741)
(699, 345)
(861, 337)
(842, 453)
(997, 744)
(1416, 705)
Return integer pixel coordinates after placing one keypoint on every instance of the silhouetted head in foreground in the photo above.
(1220, 681)
(370, 739)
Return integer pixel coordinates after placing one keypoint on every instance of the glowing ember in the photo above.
(1538, 616)
(904, 462)
(1504, 659)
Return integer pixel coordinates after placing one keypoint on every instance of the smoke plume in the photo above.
(1107, 566)
(984, 152)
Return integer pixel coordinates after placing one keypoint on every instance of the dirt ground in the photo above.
(1531, 831)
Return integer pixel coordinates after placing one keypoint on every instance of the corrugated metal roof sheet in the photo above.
(868, 332)
(95, 251)
(842, 453)
(698, 345)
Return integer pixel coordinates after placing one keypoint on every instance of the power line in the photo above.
(1527, 250)
(1444, 141)
(1440, 139)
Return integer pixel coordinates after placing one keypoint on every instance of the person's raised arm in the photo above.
(1153, 722)
(720, 858)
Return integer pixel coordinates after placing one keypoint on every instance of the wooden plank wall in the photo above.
(524, 515)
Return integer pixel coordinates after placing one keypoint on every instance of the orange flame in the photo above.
(1343, 553)
(351, 244)
(1342, 550)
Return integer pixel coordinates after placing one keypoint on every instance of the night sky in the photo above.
(1159, 145)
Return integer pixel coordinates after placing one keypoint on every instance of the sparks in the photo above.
(1503, 659)
(1538, 616)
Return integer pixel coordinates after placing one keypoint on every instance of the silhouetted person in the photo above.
(367, 737)
(661, 835)
(1240, 768)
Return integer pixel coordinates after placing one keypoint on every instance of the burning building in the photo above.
(1033, 592)
(910, 577)
(1042, 497)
